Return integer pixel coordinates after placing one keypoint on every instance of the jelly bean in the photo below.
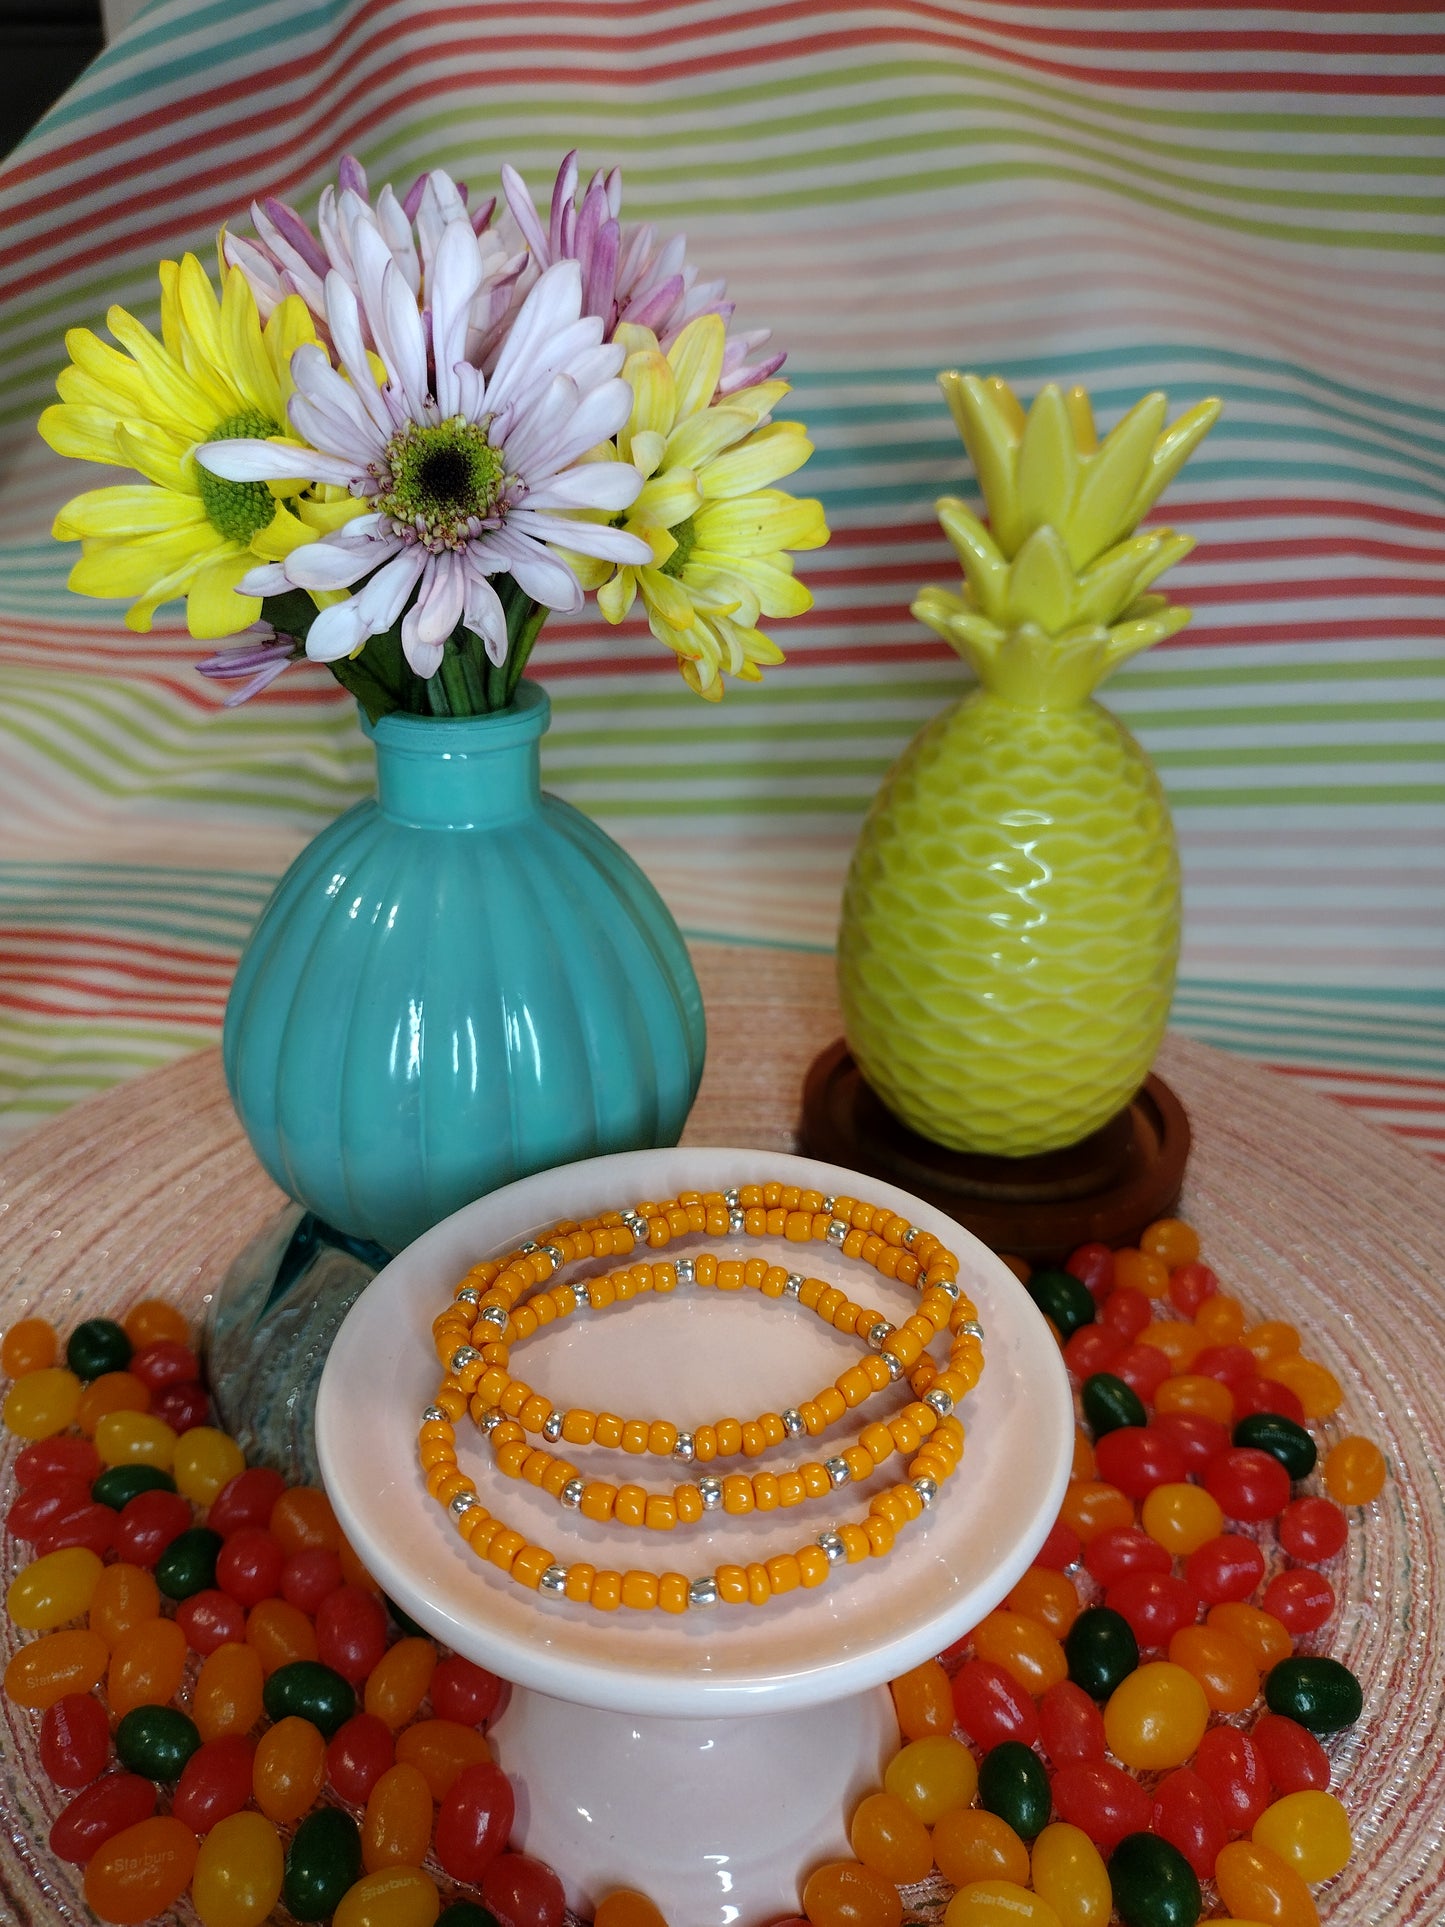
(1301, 1600)
(1293, 1758)
(464, 1692)
(1232, 1767)
(1354, 1471)
(1143, 1368)
(215, 1782)
(30, 1345)
(125, 1597)
(922, 1701)
(1136, 1270)
(1291, 1444)
(1187, 1815)
(1156, 1717)
(442, 1750)
(227, 1697)
(351, 1632)
(313, 1691)
(103, 1810)
(887, 1836)
(1196, 1396)
(1309, 1831)
(1068, 1872)
(1060, 1549)
(97, 1346)
(624, 1908)
(1199, 1440)
(1179, 1341)
(128, 1438)
(1314, 1385)
(307, 1577)
(1127, 1312)
(44, 1671)
(1220, 1319)
(56, 1458)
(322, 1863)
(474, 1820)
(1092, 1506)
(1093, 1348)
(1226, 1567)
(165, 1362)
(1231, 1364)
(1071, 1727)
(113, 1392)
(248, 1565)
(281, 1634)
(1063, 1298)
(1253, 1396)
(1181, 1517)
(1249, 1484)
(206, 1461)
(183, 1407)
(396, 1830)
(1093, 1265)
(1320, 1693)
(1050, 1599)
(462, 1913)
(1101, 1650)
(156, 1741)
(289, 1769)
(1156, 1605)
(1154, 1885)
(1261, 1635)
(117, 1487)
(1112, 1554)
(1170, 1240)
(1273, 1339)
(188, 1564)
(1221, 1663)
(1109, 1403)
(1311, 1528)
(40, 1503)
(1102, 1800)
(148, 1524)
(42, 1403)
(969, 1843)
(239, 1871)
(991, 1704)
(523, 1892)
(398, 1682)
(998, 1903)
(150, 1320)
(302, 1518)
(142, 1872)
(147, 1665)
(1136, 1459)
(1012, 1783)
(391, 1897)
(53, 1590)
(932, 1776)
(1256, 1884)
(210, 1620)
(359, 1753)
(1189, 1286)
(843, 1894)
(74, 1740)
(246, 1500)
(85, 1525)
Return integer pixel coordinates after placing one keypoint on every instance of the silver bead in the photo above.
(552, 1427)
(557, 1257)
(489, 1421)
(684, 1451)
(528, 1247)
(793, 1284)
(732, 1200)
(463, 1502)
(832, 1543)
(468, 1295)
(737, 1219)
(553, 1580)
(971, 1328)
(584, 1295)
(896, 1367)
(837, 1470)
(702, 1592)
(910, 1236)
(927, 1490)
(837, 1231)
(463, 1356)
(950, 1288)
(571, 1494)
(710, 1486)
(496, 1315)
(942, 1402)
(431, 1414)
(793, 1422)
(686, 1271)
(830, 1205)
(876, 1334)
(635, 1223)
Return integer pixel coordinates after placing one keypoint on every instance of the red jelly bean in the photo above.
(1190, 1285)
(523, 1892)
(1200, 1439)
(1293, 1758)
(1071, 1727)
(1156, 1605)
(78, 1524)
(991, 1706)
(308, 1576)
(1109, 1555)
(1060, 1549)
(246, 1501)
(61, 1457)
(1188, 1815)
(45, 1500)
(474, 1821)
(1092, 1265)
(1230, 1364)
(166, 1362)
(1249, 1485)
(74, 1740)
(1143, 1369)
(350, 1632)
(1126, 1311)
(105, 1808)
(1092, 1348)
(1232, 1767)
(181, 1406)
(215, 1782)
(249, 1564)
(463, 1692)
(1227, 1567)
(1312, 1528)
(148, 1524)
(1301, 1600)
(1137, 1459)
(1254, 1395)
(1102, 1799)
(211, 1619)
(360, 1752)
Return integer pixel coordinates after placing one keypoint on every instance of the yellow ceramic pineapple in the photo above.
(1011, 920)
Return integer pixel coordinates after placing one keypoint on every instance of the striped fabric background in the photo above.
(1213, 200)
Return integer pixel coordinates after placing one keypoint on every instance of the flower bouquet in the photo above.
(397, 441)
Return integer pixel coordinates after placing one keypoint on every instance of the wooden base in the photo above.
(1107, 1188)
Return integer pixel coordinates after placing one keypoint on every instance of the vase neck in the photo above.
(462, 772)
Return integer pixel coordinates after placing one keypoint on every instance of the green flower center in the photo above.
(444, 481)
(685, 536)
(238, 510)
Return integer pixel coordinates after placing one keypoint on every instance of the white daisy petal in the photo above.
(455, 279)
(595, 485)
(269, 578)
(249, 461)
(598, 419)
(326, 565)
(539, 574)
(484, 614)
(588, 538)
(554, 303)
(338, 631)
(381, 600)
(344, 319)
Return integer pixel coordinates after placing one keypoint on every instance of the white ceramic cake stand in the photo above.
(711, 1758)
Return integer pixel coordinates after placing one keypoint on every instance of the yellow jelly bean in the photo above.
(1069, 1873)
(392, 1897)
(50, 1591)
(206, 1460)
(49, 1668)
(42, 1403)
(998, 1903)
(239, 1872)
(932, 1776)
(1156, 1717)
(135, 1438)
(1309, 1831)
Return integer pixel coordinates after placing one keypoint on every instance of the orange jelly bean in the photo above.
(147, 1666)
(227, 1699)
(1273, 1339)
(625, 1908)
(46, 1669)
(1027, 1651)
(280, 1633)
(151, 1319)
(1313, 1384)
(1047, 1596)
(1220, 1319)
(891, 1840)
(1092, 1506)
(1196, 1395)
(845, 1894)
(1256, 1884)
(1170, 1240)
(1221, 1663)
(142, 1871)
(302, 1520)
(111, 1392)
(1141, 1271)
(1083, 1466)
(28, 1346)
(398, 1683)
(923, 1701)
(1180, 1342)
(396, 1830)
(125, 1596)
(1266, 1639)
(289, 1769)
(972, 1844)
(1354, 1471)
(440, 1750)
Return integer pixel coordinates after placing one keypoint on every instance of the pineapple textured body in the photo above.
(1010, 927)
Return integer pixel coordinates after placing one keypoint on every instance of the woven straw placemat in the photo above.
(1305, 1212)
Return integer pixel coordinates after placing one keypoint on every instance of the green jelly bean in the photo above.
(1319, 1693)
(405, 1621)
(312, 1692)
(1101, 1650)
(1012, 1783)
(96, 1347)
(466, 1913)
(1064, 1298)
(188, 1563)
(122, 1483)
(1154, 1885)
(1109, 1404)
(323, 1862)
(1272, 1432)
(156, 1742)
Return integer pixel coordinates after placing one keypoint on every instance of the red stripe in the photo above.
(1357, 1100)
(1364, 1077)
(59, 936)
(160, 1010)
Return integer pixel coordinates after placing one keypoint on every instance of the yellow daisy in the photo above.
(215, 374)
(718, 530)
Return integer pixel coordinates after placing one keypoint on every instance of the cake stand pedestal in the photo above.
(712, 1758)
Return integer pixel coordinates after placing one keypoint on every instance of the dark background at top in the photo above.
(43, 46)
